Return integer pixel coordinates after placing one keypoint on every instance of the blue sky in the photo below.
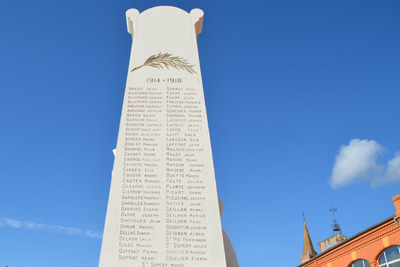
(303, 107)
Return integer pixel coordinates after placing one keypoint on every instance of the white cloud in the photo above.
(392, 172)
(37, 226)
(93, 234)
(34, 226)
(355, 162)
(12, 223)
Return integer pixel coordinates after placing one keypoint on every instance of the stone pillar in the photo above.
(163, 204)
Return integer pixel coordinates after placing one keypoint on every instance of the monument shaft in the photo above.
(163, 205)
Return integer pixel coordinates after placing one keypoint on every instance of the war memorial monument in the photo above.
(163, 206)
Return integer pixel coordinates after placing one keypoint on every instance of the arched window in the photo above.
(360, 263)
(390, 257)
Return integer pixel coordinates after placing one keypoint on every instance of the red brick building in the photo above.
(376, 246)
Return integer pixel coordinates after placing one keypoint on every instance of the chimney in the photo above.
(396, 202)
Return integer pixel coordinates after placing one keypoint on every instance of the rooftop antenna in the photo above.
(304, 217)
(335, 224)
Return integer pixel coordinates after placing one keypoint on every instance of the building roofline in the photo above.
(349, 239)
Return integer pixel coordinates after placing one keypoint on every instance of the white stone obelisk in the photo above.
(163, 204)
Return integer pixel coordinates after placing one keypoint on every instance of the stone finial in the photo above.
(396, 202)
(197, 18)
(132, 16)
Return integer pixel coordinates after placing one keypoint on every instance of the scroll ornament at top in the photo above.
(196, 14)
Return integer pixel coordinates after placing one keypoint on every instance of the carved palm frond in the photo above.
(167, 60)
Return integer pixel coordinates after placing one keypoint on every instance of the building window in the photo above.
(360, 263)
(390, 257)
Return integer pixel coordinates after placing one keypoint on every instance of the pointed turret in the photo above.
(308, 248)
